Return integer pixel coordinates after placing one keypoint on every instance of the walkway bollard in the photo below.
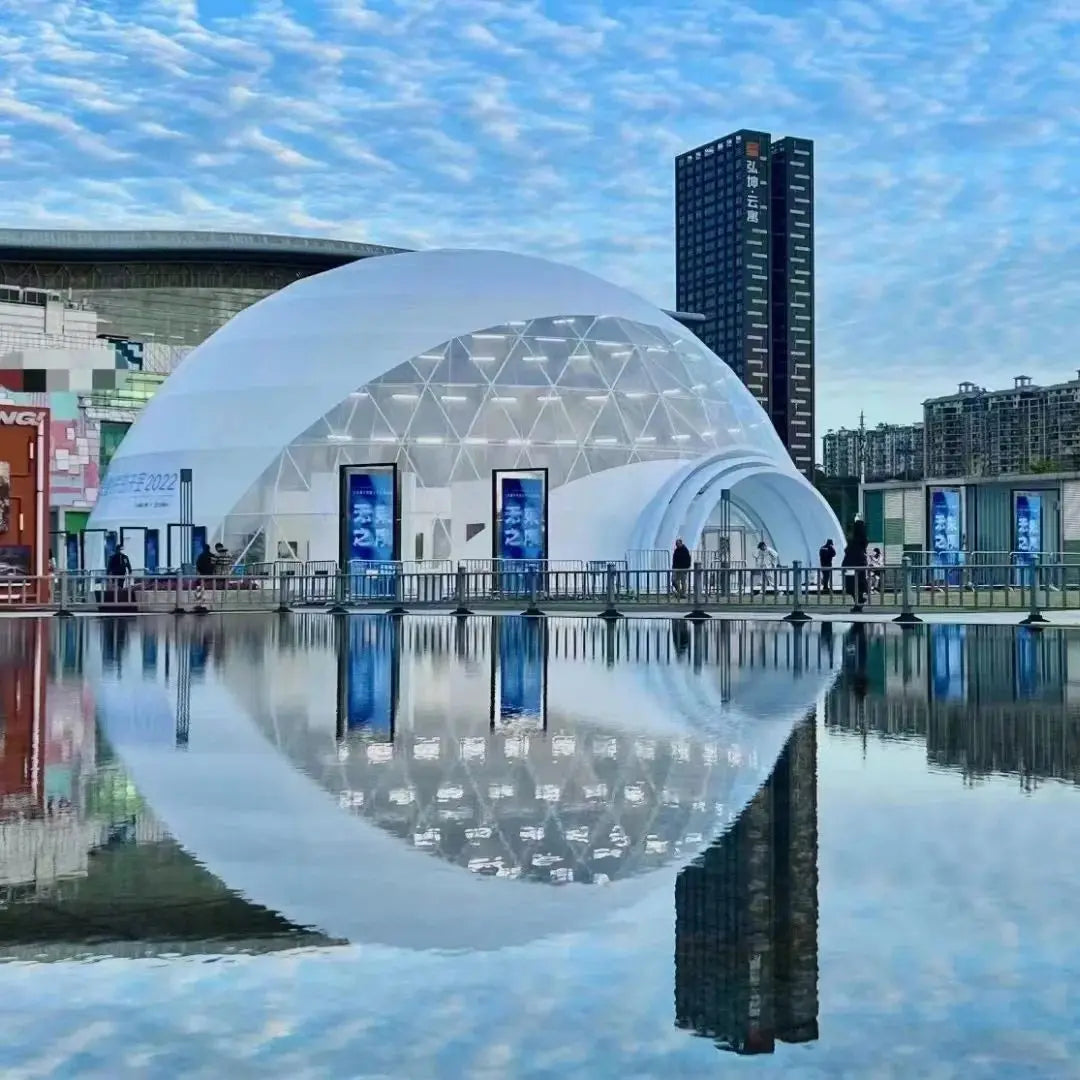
(339, 607)
(907, 616)
(698, 613)
(63, 611)
(796, 614)
(611, 612)
(1034, 616)
(533, 610)
(461, 593)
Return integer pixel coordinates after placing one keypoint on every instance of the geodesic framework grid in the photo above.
(573, 394)
(581, 802)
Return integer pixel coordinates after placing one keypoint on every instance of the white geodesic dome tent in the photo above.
(452, 364)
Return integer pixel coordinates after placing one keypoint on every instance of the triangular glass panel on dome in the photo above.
(458, 368)
(526, 365)
(313, 458)
(361, 420)
(432, 464)
(464, 469)
(396, 404)
(609, 361)
(636, 412)
(608, 328)
(665, 379)
(531, 401)
(289, 476)
(581, 372)
(429, 420)
(578, 469)
(608, 425)
(427, 362)
(722, 420)
(633, 377)
(657, 429)
(403, 374)
(496, 420)
(552, 424)
(690, 410)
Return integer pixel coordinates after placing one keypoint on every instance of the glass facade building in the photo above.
(745, 260)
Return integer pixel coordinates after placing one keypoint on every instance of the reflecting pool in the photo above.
(310, 846)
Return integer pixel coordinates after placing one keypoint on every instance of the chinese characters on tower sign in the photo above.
(754, 180)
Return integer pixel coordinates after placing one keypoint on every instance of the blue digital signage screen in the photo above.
(946, 531)
(522, 516)
(369, 673)
(370, 514)
(1028, 520)
(521, 672)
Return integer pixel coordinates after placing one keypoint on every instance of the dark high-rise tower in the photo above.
(744, 258)
(746, 917)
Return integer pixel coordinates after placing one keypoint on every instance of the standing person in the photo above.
(117, 572)
(855, 583)
(681, 561)
(204, 564)
(767, 559)
(826, 555)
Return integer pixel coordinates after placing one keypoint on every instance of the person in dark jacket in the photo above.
(826, 555)
(204, 564)
(855, 557)
(119, 565)
(681, 561)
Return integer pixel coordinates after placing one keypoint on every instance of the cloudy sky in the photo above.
(948, 216)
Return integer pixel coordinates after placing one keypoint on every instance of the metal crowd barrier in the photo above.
(607, 586)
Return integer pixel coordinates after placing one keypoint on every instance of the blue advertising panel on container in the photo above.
(946, 532)
(520, 514)
(71, 546)
(368, 676)
(519, 672)
(198, 541)
(1027, 523)
(370, 519)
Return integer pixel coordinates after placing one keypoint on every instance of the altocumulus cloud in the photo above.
(947, 167)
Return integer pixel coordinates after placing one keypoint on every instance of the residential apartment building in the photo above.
(889, 451)
(744, 254)
(980, 432)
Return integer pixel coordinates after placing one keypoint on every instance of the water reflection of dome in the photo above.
(585, 801)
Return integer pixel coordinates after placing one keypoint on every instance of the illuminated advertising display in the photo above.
(1027, 525)
(519, 672)
(520, 515)
(946, 532)
(24, 492)
(947, 675)
(369, 658)
(369, 514)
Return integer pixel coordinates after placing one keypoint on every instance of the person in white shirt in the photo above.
(766, 560)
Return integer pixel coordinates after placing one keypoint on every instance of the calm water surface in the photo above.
(495, 848)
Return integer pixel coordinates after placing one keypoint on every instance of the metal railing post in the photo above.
(1034, 616)
(62, 610)
(178, 594)
(461, 592)
(698, 612)
(611, 612)
(796, 614)
(281, 578)
(907, 617)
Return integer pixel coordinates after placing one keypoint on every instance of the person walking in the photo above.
(766, 560)
(826, 555)
(117, 572)
(681, 561)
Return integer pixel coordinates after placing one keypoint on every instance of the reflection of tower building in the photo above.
(746, 917)
(22, 696)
